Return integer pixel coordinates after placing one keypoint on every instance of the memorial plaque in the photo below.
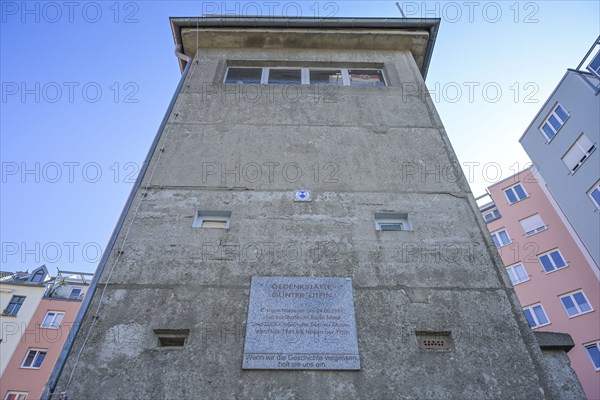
(301, 323)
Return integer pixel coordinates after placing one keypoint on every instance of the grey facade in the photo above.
(579, 94)
(370, 146)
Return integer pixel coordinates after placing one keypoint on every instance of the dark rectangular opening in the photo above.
(172, 337)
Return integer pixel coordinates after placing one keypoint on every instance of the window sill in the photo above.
(580, 314)
(555, 270)
(537, 231)
(21, 367)
(541, 326)
(504, 245)
(523, 281)
(8, 315)
(518, 201)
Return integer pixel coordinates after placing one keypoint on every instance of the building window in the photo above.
(38, 276)
(492, 215)
(594, 65)
(578, 153)
(517, 274)
(14, 305)
(501, 238)
(305, 76)
(515, 193)
(34, 358)
(212, 219)
(594, 194)
(552, 261)
(532, 225)
(536, 316)
(388, 221)
(52, 320)
(593, 350)
(554, 122)
(15, 395)
(244, 75)
(576, 303)
(75, 294)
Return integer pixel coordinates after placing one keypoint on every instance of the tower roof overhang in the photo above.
(416, 35)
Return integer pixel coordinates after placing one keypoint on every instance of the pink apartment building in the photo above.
(42, 340)
(556, 280)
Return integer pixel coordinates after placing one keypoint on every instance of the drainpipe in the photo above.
(66, 350)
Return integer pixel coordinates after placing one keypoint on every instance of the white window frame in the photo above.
(589, 193)
(590, 345)
(539, 256)
(383, 218)
(37, 351)
(538, 229)
(512, 269)
(19, 395)
(305, 73)
(212, 216)
(576, 146)
(554, 114)
(515, 193)
(579, 311)
(497, 233)
(52, 324)
(530, 308)
(492, 211)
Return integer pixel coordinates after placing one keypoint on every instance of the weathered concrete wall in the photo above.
(375, 149)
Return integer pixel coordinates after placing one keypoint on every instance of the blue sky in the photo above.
(86, 84)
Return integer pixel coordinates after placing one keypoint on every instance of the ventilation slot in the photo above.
(441, 341)
(172, 337)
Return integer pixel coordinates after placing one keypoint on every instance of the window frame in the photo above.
(575, 303)
(511, 188)
(17, 306)
(53, 325)
(497, 232)
(546, 121)
(595, 187)
(547, 253)
(17, 393)
(595, 71)
(586, 153)
(37, 354)
(212, 216)
(530, 308)
(535, 231)
(588, 346)
(383, 218)
(305, 74)
(493, 211)
(512, 268)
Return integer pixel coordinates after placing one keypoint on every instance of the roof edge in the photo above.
(431, 25)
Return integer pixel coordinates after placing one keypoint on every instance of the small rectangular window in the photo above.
(390, 221)
(366, 77)
(578, 153)
(243, 75)
(501, 238)
(285, 76)
(552, 261)
(326, 77)
(536, 316)
(532, 225)
(593, 350)
(515, 193)
(517, 274)
(34, 359)
(52, 320)
(491, 215)
(594, 194)
(554, 122)
(172, 337)
(75, 294)
(212, 219)
(14, 306)
(10, 395)
(575, 303)
(594, 65)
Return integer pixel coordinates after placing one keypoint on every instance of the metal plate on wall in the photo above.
(301, 323)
